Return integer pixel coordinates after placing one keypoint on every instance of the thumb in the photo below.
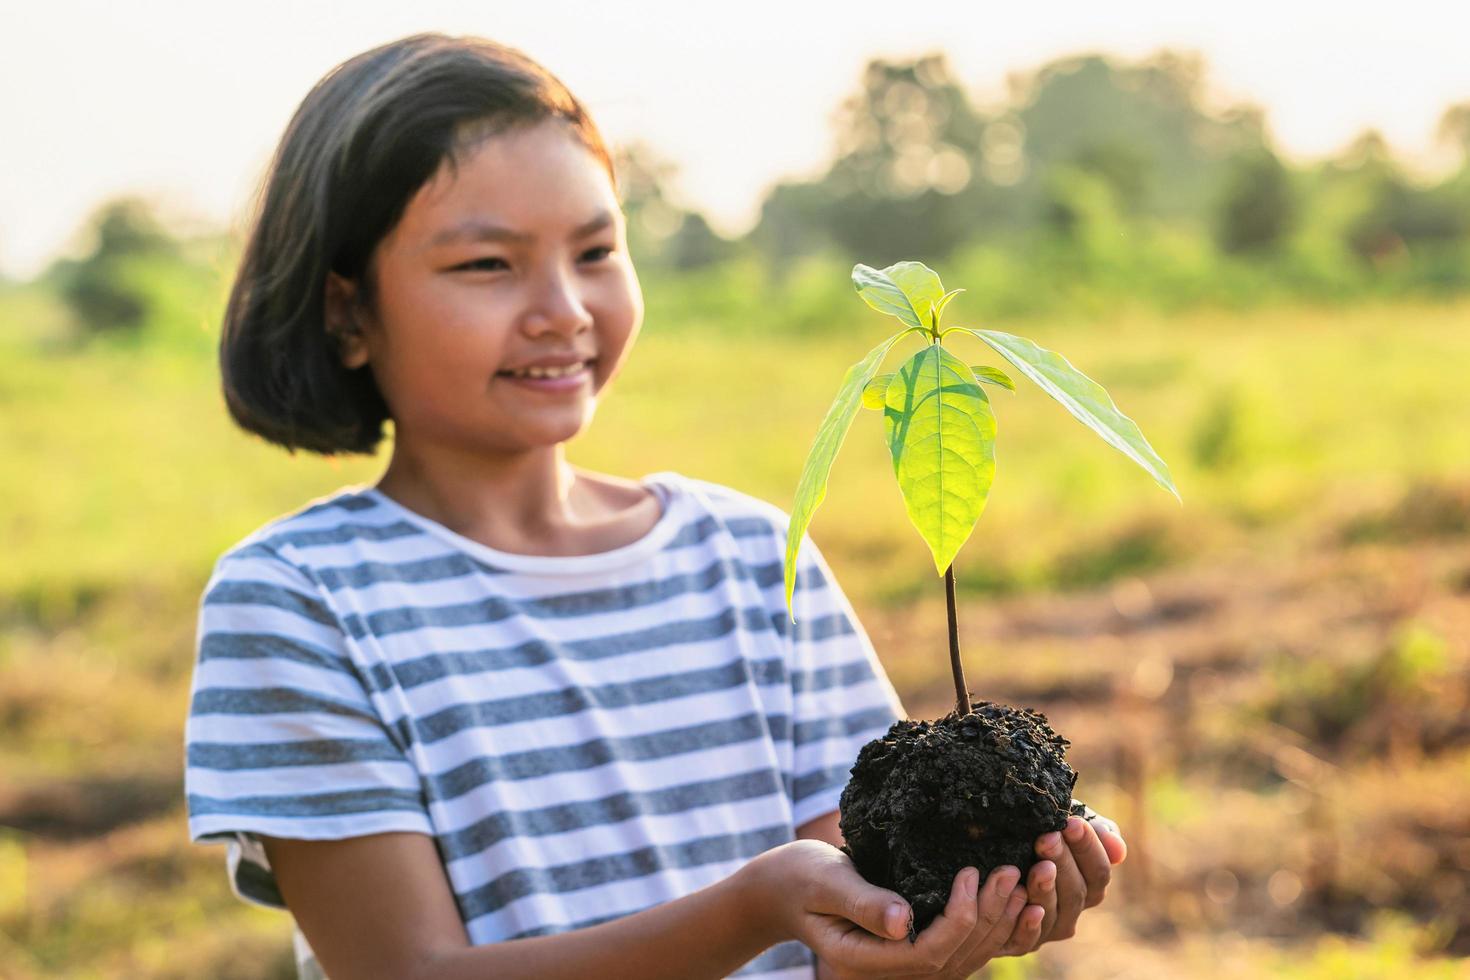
(1114, 844)
(880, 911)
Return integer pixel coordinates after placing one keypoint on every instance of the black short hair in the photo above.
(372, 132)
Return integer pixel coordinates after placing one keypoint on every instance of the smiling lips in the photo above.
(550, 375)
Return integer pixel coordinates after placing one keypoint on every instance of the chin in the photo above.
(551, 434)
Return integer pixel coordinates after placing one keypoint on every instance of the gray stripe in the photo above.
(575, 699)
(350, 502)
(409, 674)
(612, 809)
(844, 727)
(271, 701)
(637, 863)
(341, 534)
(522, 765)
(235, 757)
(436, 569)
(256, 550)
(534, 763)
(850, 674)
(220, 645)
(814, 782)
(626, 597)
(496, 608)
(457, 564)
(240, 592)
(448, 566)
(373, 800)
(817, 628)
(695, 532)
(752, 527)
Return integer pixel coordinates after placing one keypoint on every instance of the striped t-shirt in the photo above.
(583, 737)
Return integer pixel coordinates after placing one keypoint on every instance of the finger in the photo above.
(990, 945)
(1071, 891)
(939, 943)
(1027, 934)
(858, 953)
(1041, 889)
(1091, 858)
(996, 916)
(995, 900)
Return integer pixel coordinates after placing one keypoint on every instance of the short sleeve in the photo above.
(282, 736)
(841, 697)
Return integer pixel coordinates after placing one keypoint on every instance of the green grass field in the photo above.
(1288, 431)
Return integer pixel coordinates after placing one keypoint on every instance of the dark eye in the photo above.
(486, 264)
(598, 253)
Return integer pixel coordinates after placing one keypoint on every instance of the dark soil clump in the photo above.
(930, 798)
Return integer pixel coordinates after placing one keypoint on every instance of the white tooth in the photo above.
(539, 371)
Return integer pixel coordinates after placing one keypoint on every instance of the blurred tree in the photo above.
(1258, 206)
(919, 171)
(902, 182)
(793, 222)
(1081, 207)
(1404, 217)
(660, 232)
(696, 244)
(1454, 130)
(1399, 218)
(642, 179)
(101, 290)
(1145, 128)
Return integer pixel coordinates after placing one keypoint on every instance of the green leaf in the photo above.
(1083, 397)
(941, 434)
(812, 486)
(907, 290)
(944, 301)
(873, 391)
(992, 375)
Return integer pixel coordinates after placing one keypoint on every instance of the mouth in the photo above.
(549, 377)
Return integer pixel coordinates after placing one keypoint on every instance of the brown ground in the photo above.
(1285, 739)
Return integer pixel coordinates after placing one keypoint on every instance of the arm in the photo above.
(380, 906)
(827, 828)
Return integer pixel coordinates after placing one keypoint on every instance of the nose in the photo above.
(557, 307)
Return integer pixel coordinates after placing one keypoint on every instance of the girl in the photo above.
(497, 716)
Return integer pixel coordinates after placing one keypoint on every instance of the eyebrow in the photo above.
(478, 230)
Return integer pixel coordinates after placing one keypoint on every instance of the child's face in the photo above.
(461, 312)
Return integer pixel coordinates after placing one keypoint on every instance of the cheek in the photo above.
(444, 327)
(621, 325)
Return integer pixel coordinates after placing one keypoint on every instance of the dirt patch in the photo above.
(88, 806)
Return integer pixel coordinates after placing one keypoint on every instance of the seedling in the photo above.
(979, 785)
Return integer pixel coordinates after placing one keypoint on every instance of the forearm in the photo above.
(707, 934)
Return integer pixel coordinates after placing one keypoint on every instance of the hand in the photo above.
(1073, 875)
(813, 893)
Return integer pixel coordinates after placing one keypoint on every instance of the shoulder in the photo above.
(743, 515)
(283, 546)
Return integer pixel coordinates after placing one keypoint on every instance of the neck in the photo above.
(518, 498)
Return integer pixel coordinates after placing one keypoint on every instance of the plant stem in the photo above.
(961, 692)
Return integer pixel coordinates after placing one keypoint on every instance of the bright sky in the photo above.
(184, 100)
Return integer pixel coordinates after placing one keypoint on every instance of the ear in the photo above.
(343, 316)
